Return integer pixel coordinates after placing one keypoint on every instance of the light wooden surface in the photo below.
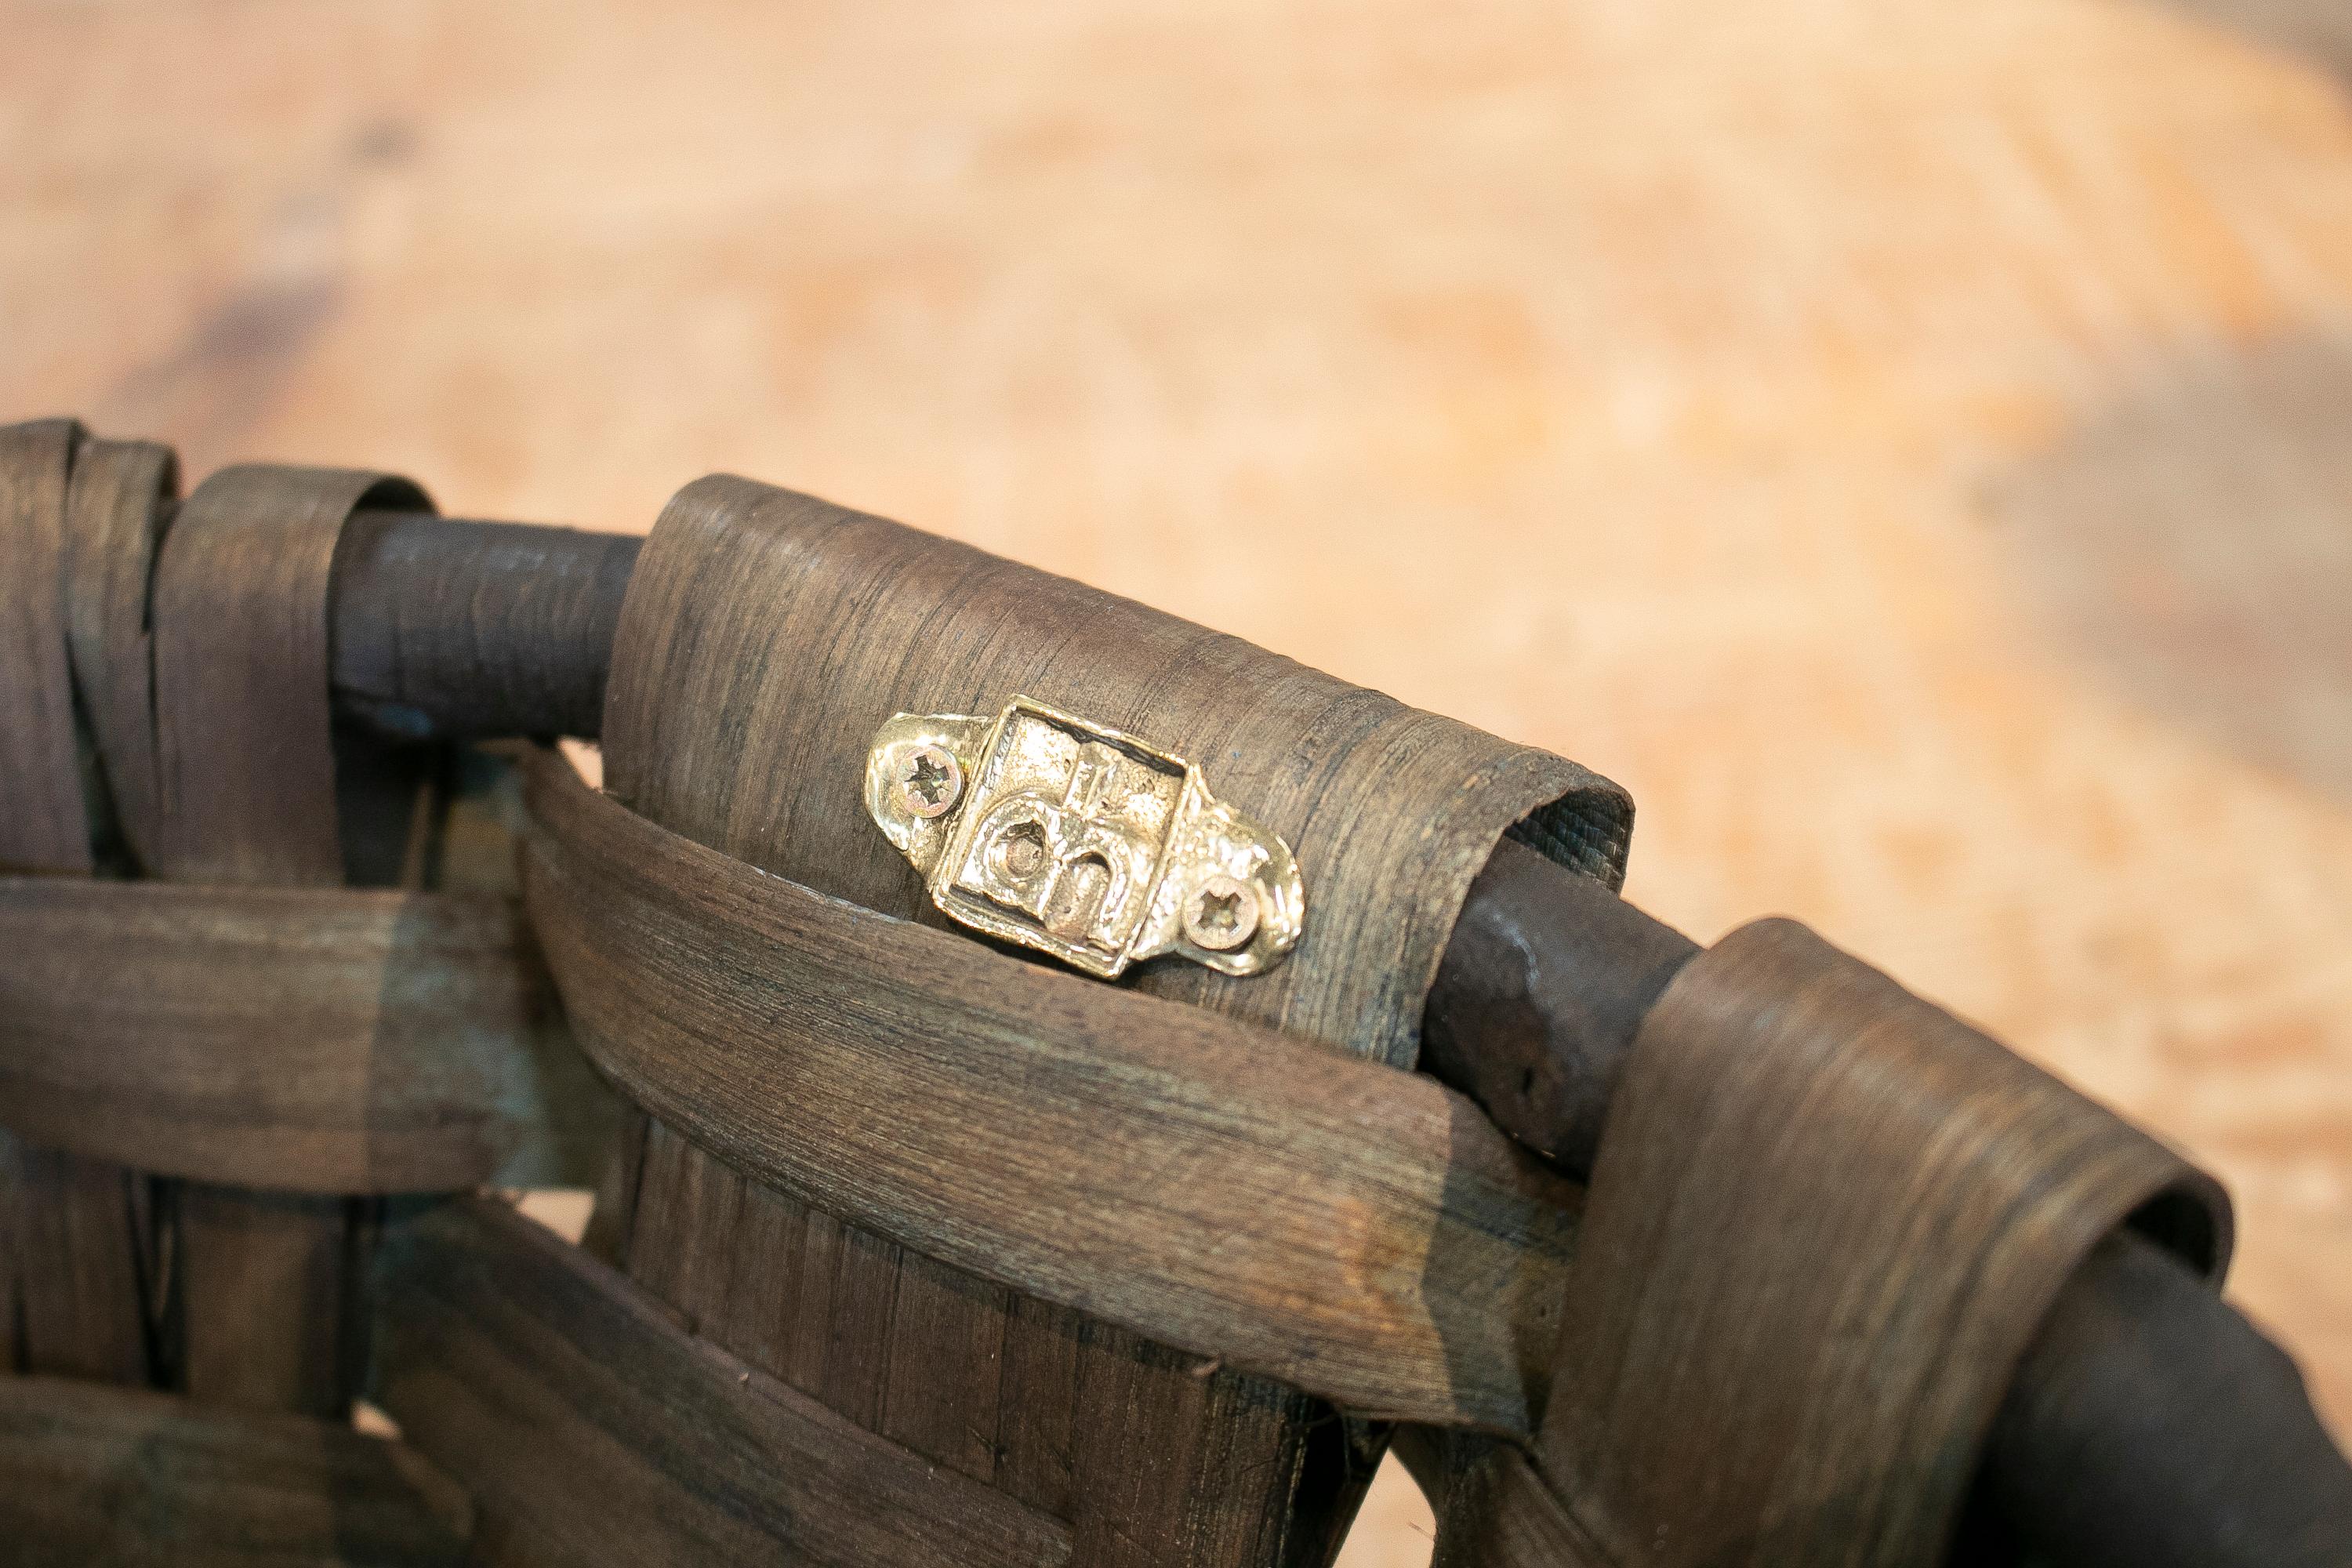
(1906, 443)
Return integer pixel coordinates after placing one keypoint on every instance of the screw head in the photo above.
(1221, 913)
(930, 781)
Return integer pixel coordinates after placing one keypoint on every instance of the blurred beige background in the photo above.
(1909, 444)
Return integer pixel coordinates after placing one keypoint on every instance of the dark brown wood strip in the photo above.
(1504, 1516)
(1141, 1417)
(74, 1250)
(684, 1264)
(264, 1284)
(246, 794)
(1263, 1432)
(767, 1289)
(1179, 1460)
(945, 1408)
(1360, 1232)
(829, 1312)
(43, 825)
(865, 1301)
(117, 1476)
(1826, 1218)
(245, 743)
(1037, 1434)
(593, 1426)
(76, 1260)
(116, 508)
(614, 1213)
(324, 1040)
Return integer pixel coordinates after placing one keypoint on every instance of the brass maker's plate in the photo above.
(1071, 838)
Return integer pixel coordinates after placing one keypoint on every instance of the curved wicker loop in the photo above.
(1826, 1219)
(767, 635)
(245, 736)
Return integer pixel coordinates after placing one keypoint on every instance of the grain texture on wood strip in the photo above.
(248, 795)
(1153, 1456)
(43, 826)
(323, 1040)
(265, 1295)
(1826, 1219)
(1179, 1461)
(116, 511)
(767, 635)
(687, 1266)
(75, 1258)
(1504, 1516)
(73, 1282)
(116, 1475)
(611, 1216)
(594, 1429)
(244, 742)
(764, 638)
(1491, 1508)
(1360, 1232)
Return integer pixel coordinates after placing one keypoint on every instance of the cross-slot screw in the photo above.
(1221, 913)
(929, 781)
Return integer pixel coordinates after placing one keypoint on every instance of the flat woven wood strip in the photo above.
(42, 824)
(115, 514)
(72, 1257)
(1825, 1219)
(593, 1430)
(246, 794)
(1362, 1232)
(121, 1476)
(767, 635)
(244, 742)
(1499, 1512)
(70, 1234)
(322, 1040)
